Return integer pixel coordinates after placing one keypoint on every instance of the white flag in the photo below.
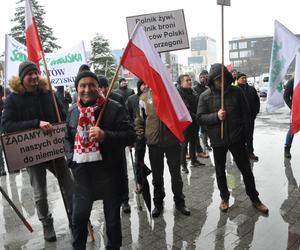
(62, 65)
(285, 44)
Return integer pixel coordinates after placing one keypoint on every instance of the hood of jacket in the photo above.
(18, 88)
(215, 73)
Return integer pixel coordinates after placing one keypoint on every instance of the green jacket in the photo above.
(148, 125)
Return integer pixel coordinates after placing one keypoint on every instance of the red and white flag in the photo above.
(296, 97)
(33, 42)
(141, 58)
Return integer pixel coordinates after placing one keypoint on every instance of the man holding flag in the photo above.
(163, 116)
(161, 141)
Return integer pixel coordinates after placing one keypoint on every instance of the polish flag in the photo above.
(33, 42)
(141, 58)
(296, 97)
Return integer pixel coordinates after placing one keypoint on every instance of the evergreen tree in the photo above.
(46, 33)
(102, 58)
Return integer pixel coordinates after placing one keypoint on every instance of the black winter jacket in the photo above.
(288, 93)
(199, 89)
(125, 92)
(23, 110)
(236, 124)
(190, 100)
(107, 177)
(133, 106)
(252, 99)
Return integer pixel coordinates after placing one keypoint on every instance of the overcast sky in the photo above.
(73, 20)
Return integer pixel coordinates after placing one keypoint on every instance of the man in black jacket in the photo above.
(30, 106)
(123, 89)
(95, 154)
(288, 97)
(254, 105)
(190, 100)
(235, 117)
(103, 85)
(199, 88)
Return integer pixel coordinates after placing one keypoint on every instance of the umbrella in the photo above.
(145, 189)
(136, 181)
(141, 172)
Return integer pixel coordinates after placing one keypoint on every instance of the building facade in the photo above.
(203, 51)
(252, 55)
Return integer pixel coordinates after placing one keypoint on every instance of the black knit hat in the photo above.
(103, 81)
(26, 67)
(85, 73)
(84, 67)
(240, 74)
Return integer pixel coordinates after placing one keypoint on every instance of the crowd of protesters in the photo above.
(95, 153)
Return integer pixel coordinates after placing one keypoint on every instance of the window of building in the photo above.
(234, 45)
(234, 54)
(253, 44)
(242, 45)
(245, 53)
(237, 63)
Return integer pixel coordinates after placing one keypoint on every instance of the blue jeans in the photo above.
(289, 137)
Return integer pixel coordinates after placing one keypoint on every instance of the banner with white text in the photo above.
(27, 148)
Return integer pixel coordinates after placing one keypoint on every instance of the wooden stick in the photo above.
(107, 95)
(222, 70)
(50, 86)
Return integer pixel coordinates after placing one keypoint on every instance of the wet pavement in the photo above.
(242, 227)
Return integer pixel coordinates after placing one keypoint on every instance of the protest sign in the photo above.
(27, 148)
(166, 30)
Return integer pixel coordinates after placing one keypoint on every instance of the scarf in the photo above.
(86, 150)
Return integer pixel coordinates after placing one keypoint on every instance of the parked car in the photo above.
(263, 90)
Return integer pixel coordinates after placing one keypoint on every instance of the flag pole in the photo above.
(50, 86)
(41, 53)
(222, 3)
(5, 65)
(114, 80)
(222, 70)
(10, 202)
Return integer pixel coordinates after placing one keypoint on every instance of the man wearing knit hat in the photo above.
(30, 106)
(254, 105)
(95, 154)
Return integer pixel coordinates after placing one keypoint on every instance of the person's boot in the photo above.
(157, 211)
(184, 168)
(49, 233)
(224, 205)
(183, 209)
(126, 208)
(287, 153)
(2, 172)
